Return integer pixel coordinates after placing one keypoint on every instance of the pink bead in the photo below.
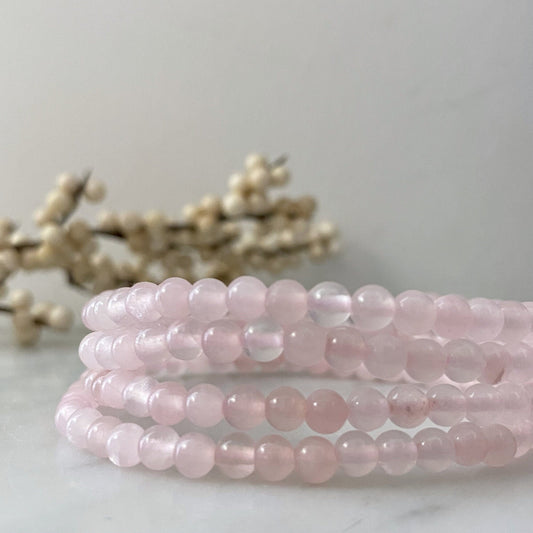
(103, 353)
(435, 450)
(244, 407)
(305, 344)
(112, 388)
(136, 395)
(496, 360)
(86, 350)
(141, 304)
(519, 368)
(368, 409)
(157, 446)
(523, 434)
(386, 357)
(184, 339)
(64, 411)
(234, 455)
(274, 458)
(470, 443)
(246, 298)
(483, 403)
(222, 341)
(123, 351)
(166, 404)
(501, 445)
(329, 304)
(195, 455)
(326, 411)
(94, 314)
(372, 308)
(447, 404)
(357, 453)
(151, 345)
(286, 301)
(415, 313)
(465, 360)
(453, 316)
(207, 300)
(426, 360)
(172, 298)
(79, 423)
(98, 434)
(263, 339)
(123, 444)
(116, 307)
(285, 408)
(408, 406)
(397, 452)
(487, 320)
(204, 405)
(345, 348)
(515, 402)
(316, 460)
(516, 322)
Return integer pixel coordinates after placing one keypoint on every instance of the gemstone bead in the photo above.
(207, 300)
(184, 339)
(426, 360)
(172, 298)
(222, 341)
(263, 339)
(447, 404)
(235, 455)
(156, 447)
(204, 405)
(345, 348)
(274, 458)
(386, 357)
(486, 320)
(326, 411)
(286, 301)
(408, 406)
(415, 313)
(99, 432)
(316, 460)
(470, 443)
(368, 409)
(195, 455)
(435, 450)
(453, 316)
(285, 408)
(397, 452)
(166, 404)
(372, 308)
(123, 444)
(141, 303)
(501, 445)
(357, 453)
(465, 360)
(329, 304)
(305, 344)
(246, 298)
(244, 407)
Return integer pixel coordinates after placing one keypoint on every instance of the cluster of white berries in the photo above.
(223, 237)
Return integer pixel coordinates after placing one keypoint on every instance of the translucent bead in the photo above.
(94, 313)
(136, 395)
(116, 307)
(501, 445)
(103, 352)
(465, 360)
(523, 434)
(426, 360)
(112, 388)
(204, 405)
(285, 408)
(123, 351)
(357, 453)
(486, 320)
(372, 308)
(453, 316)
(87, 350)
(316, 460)
(235, 455)
(386, 357)
(516, 322)
(263, 339)
(151, 345)
(519, 368)
(326, 411)
(447, 404)
(222, 341)
(141, 304)
(184, 339)
(157, 446)
(244, 407)
(172, 298)
(397, 452)
(470, 443)
(195, 455)
(207, 300)
(166, 404)
(123, 444)
(274, 458)
(345, 349)
(305, 344)
(78, 425)
(99, 432)
(329, 304)
(496, 360)
(64, 411)
(415, 313)
(515, 402)
(368, 409)
(435, 450)
(246, 298)
(286, 301)
(408, 406)
(483, 403)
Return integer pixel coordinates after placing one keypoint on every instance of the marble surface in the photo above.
(47, 486)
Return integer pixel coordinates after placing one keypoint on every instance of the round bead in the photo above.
(345, 348)
(140, 302)
(372, 308)
(453, 316)
(64, 411)
(483, 403)
(263, 339)
(246, 298)
(204, 405)
(415, 313)
(156, 447)
(195, 455)
(274, 458)
(501, 445)
(112, 388)
(316, 460)
(286, 301)
(516, 322)
(234, 455)
(515, 402)
(326, 411)
(435, 450)
(123, 444)
(408, 406)
(222, 342)
(486, 320)
(447, 404)
(496, 360)
(368, 409)
(172, 298)
(305, 344)
(123, 351)
(357, 453)
(184, 339)
(86, 350)
(78, 425)
(244, 407)
(166, 404)
(136, 395)
(285, 408)
(329, 304)
(99, 432)
(470, 443)
(116, 307)
(397, 452)
(207, 300)
(523, 434)
(386, 357)
(151, 345)
(426, 360)
(465, 360)
(103, 352)
(519, 368)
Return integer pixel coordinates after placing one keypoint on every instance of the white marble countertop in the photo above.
(50, 487)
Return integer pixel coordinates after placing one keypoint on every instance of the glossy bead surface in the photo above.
(426, 360)
(184, 339)
(483, 403)
(166, 404)
(99, 432)
(204, 405)
(519, 367)
(470, 443)
(486, 320)
(516, 322)
(386, 356)
(222, 341)
(103, 352)
(465, 360)
(112, 388)
(345, 348)
(329, 304)
(326, 411)
(207, 300)
(447, 404)
(78, 425)
(157, 446)
(286, 301)
(235, 455)
(123, 351)
(263, 339)
(397, 452)
(496, 361)
(136, 395)
(316, 460)
(368, 409)
(195, 455)
(86, 350)
(140, 302)
(172, 298)
(285, 408)
(305, 344)
(372, 308)
(408, 406)
(150, 344)
(246, 298)
(244, 407)
(454, 316)
(357, 453)
(501, 445)
(123, 444)
(415, 313)
(274, 458)
(435, 450)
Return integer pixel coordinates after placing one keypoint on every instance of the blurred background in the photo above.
(411, 122)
